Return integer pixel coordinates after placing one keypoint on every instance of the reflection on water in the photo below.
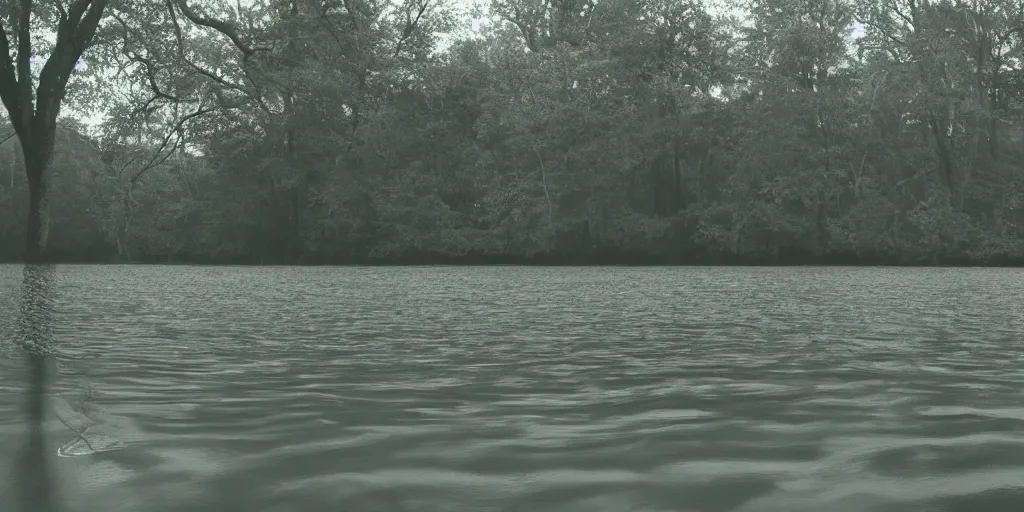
(529, 389)
(34, 486)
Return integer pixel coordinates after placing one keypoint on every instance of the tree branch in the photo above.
(23, 63)
(220, 26)
(229, 31)
(175, 130)
(150, 68)
(73, 35)
(410, 25)
(8, 82)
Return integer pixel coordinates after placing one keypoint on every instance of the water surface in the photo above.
(536, 389)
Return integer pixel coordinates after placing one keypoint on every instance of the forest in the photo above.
(534, 131)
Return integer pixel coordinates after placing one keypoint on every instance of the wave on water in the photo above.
(541, 390)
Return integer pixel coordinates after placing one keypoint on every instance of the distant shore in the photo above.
(557, 260)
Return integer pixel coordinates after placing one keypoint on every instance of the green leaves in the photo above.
(370, 129)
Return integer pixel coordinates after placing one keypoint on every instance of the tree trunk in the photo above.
(993, 110)
(38, 493)
(677, 177)
(947, 167)
(297, 190)
(123, 247)
(37, 229)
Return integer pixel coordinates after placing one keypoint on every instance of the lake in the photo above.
(520, 389)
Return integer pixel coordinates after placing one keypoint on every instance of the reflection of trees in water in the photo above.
(35, 335)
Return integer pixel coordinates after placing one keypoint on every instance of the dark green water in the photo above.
(538, 389)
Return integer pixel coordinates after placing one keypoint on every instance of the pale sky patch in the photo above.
(857, 31)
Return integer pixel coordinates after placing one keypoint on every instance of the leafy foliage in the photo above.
(333, 131)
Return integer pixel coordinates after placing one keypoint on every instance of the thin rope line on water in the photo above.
(77, 433)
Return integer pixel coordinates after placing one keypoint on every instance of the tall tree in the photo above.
(32, 110)
(33, 113)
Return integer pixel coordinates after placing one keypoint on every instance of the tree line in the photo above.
(562, 131)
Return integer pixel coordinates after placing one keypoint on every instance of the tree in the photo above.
(33, 111)
(343, 131)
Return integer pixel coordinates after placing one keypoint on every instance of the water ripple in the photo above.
(527, 389)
